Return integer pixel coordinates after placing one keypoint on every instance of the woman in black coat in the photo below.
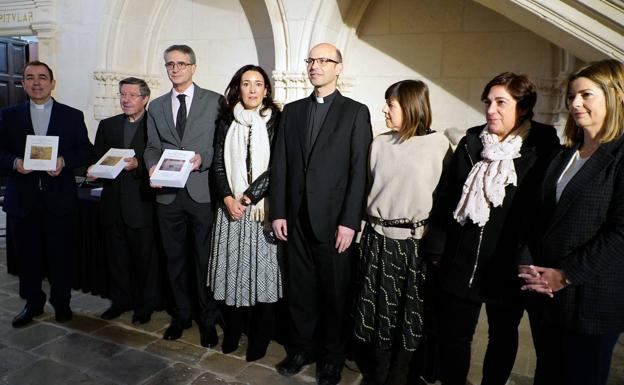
(475, 222)
(244, 271)
(578, 245)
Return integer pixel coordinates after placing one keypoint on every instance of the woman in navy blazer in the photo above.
(576, 254)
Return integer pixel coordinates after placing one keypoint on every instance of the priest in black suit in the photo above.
(42, 205)
(127, 206)
(318, 184)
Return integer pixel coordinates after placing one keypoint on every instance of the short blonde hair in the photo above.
(608, 75)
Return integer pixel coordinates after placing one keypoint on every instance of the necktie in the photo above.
(181, 118)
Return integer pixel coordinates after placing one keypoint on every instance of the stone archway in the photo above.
(339, 22)
(135, 33)
(118, 60)
(310, 23)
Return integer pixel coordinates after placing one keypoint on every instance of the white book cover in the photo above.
(173, 168)
(111, 163)
(41, 152)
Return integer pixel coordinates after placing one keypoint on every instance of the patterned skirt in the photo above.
(243, 266)
(389, 302)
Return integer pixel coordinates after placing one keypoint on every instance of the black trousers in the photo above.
(45, 246)
(318, 282)
(459, 319)
(133, 266)
(383, 367)
(186, 256)
(257, 322)
(568, 358)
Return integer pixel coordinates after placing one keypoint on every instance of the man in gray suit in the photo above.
(184, 119)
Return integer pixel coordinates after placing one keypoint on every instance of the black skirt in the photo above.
(389, 302)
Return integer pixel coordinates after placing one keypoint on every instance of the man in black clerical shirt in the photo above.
(127, 209)
(318, 182)
(42, 205)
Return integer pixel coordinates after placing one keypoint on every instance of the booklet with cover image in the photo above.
(173, 168)
(111, 163)
(41, 152)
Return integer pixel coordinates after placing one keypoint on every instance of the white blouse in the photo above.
(573, 166)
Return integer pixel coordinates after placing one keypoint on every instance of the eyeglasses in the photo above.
(177, 65)
(129, 96)
(321, 60)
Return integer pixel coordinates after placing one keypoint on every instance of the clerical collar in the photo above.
(325, 99)
(45, 105)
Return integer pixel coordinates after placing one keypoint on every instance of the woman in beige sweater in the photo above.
(405, 167)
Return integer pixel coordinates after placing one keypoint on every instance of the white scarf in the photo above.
(247, 128)
(488, 178)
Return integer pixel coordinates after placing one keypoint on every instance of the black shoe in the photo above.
(254, 354)
(111, 313)
(175, 330)
(256, 348)
(328, 374)
(141, 319)
(63, 315)
(293, 364)
(230, 342)
(208, 336)
(25, 317)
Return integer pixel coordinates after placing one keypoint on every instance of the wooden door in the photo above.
(13, 56)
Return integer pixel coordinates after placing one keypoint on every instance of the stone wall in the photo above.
(454, 45)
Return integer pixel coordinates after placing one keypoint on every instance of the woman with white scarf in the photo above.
(244, 271)
(477, 218)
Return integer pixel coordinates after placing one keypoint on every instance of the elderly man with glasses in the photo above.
(318, 183)
(184, 119)
(127, 206)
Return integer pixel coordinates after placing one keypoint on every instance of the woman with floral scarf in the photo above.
(478, 215)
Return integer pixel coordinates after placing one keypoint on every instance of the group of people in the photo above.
(276, 200)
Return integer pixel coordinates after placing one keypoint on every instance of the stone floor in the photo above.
(92, 351)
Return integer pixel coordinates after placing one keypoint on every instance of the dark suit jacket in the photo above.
(332, 179)
(24, 192)
(490, 255)
(198, 137)
(583, 234)
(130, 194)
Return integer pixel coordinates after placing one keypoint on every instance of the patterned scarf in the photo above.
(488, 178)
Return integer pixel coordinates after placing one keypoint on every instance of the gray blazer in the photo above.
(198, 137)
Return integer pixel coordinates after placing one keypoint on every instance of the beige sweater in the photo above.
(403, 176)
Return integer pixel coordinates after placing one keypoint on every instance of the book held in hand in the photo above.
(111, 164)
(41, 152)
(173, 168)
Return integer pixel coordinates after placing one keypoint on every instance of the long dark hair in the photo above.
(232, 94)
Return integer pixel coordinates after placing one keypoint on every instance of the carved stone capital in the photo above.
(290, 86)
(551, 102)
